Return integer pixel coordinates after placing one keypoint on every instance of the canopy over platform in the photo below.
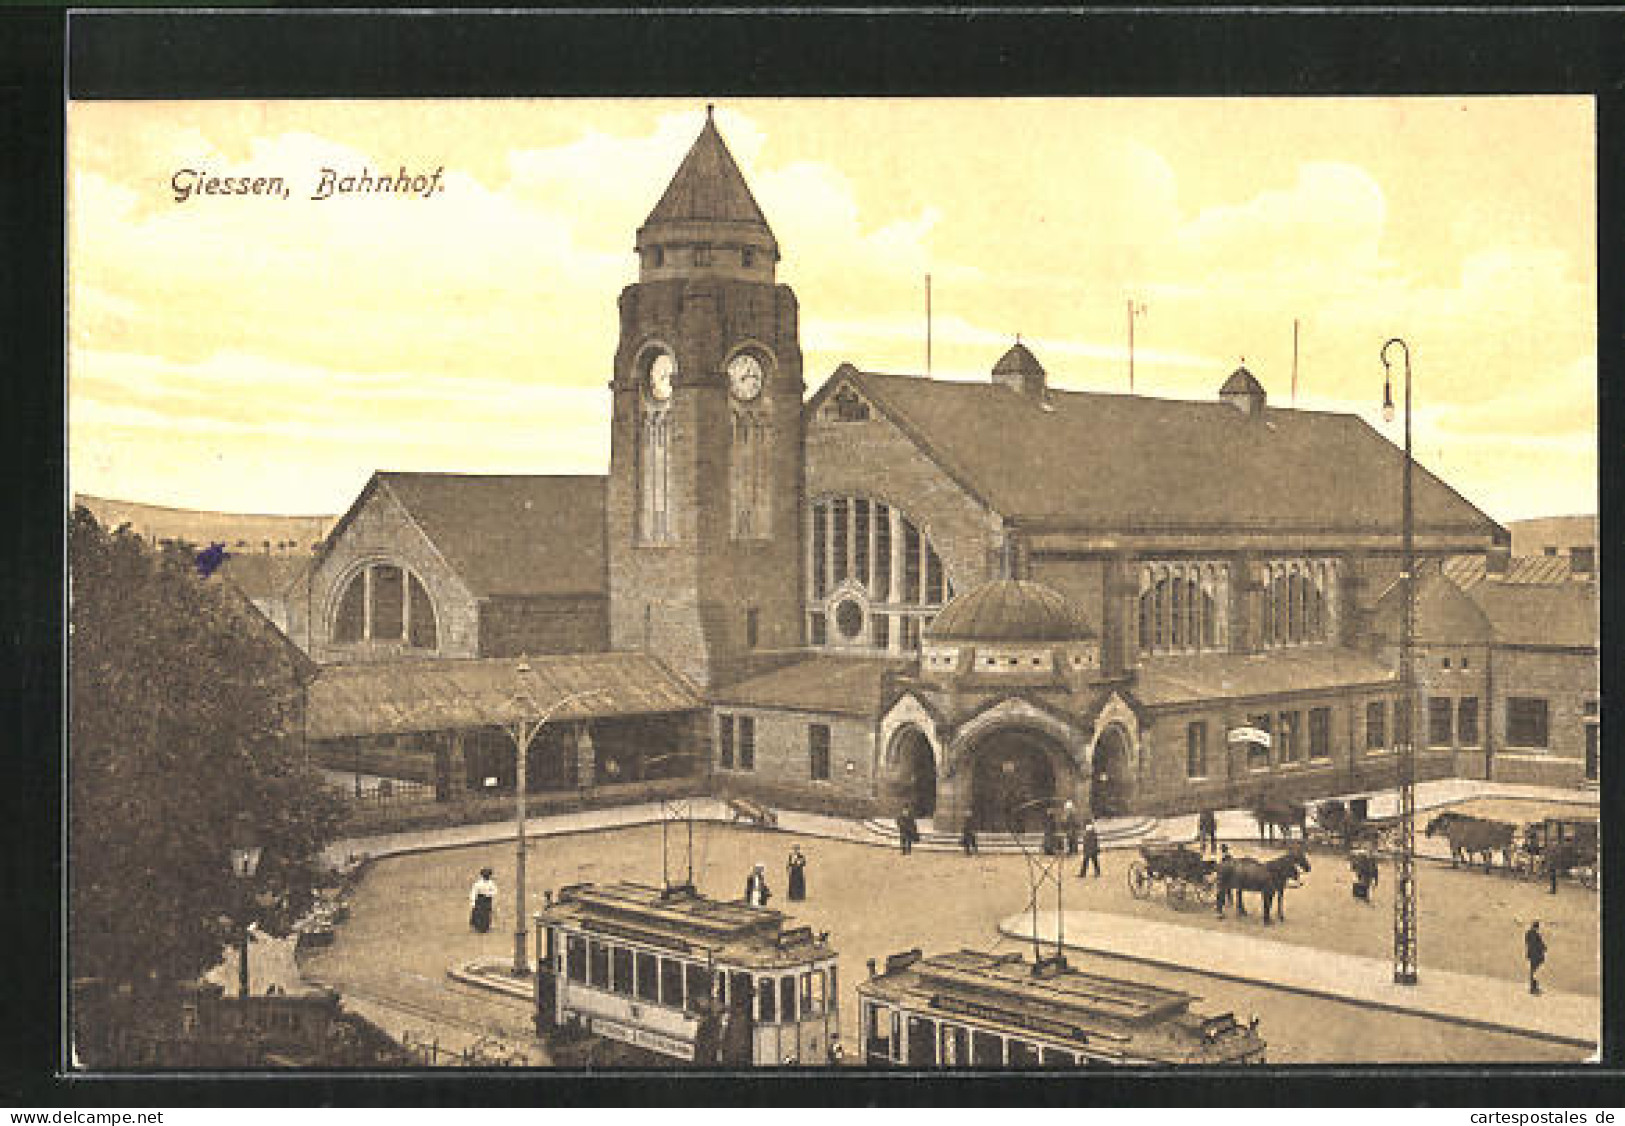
(456, 694)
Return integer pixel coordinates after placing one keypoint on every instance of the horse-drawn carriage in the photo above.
(1346, 825)
(1185, 875)
(1565, 843)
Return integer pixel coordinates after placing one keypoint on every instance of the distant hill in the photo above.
(243, 534)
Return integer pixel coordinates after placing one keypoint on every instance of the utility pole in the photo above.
(1294, 361)
(1405, 857)
(928, 325)
(1134, 310)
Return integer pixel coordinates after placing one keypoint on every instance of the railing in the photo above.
(487, 1051)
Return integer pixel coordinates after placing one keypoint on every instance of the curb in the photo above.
(1009, 931)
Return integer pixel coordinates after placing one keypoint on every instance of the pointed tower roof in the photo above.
(708, 187)
(1242, 382)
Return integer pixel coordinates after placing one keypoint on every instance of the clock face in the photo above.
(660, 374)
(745, 376)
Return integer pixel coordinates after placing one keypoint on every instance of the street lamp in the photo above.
(523, 729)
(245, 862)
(1405, 856)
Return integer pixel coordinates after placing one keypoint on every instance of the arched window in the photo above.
(1182, 607)
(384, 602)
(657, 372)
(1297, 602)
(748, 467)
(874, 580)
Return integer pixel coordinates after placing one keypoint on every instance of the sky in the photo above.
(246, 353)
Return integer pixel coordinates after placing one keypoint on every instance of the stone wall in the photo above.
(513, 626)
(782, 773)
(1566, 679)
(381, 531)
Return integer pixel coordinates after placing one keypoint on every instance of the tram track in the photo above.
(435, 1016)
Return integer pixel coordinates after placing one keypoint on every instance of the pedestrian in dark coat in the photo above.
(907, 831)
(1534, 948)
(798, 874)
(967, 838)
(1551, 869)
(1226, 864)
(1069, 825)
(1207, 831)
(1091, 849)
(1052, 835)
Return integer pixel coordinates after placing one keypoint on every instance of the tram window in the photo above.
(699, 984)
(878, 1031)
(768, 996)
(576, 957)
(552, 937)
(1023, 1054)
(671, 982)
(834, 997)
(1054, 1057)
(621, 957)
(922, 1042)
(987, 1050)
(598, 965)
(648, 977)
(787, 998)
(812, 993)
(740, 991)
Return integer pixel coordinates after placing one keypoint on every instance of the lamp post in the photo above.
(245, 862)
(523, 729)
(1405, 855)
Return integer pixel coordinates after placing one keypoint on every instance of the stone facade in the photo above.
(781, 763)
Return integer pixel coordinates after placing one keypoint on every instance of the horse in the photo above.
(1473, 836)
(1268, 878)
(1283, 815)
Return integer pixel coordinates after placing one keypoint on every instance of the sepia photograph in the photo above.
(856, 584)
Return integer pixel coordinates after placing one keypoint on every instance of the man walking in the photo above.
(1534, 948)
(967, 838)
(906, 830)
(1091, 849)
(1069, 825)
(1207, 831)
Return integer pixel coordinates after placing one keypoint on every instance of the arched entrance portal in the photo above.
(1108, 796)
(917, 772)
(1013, 781)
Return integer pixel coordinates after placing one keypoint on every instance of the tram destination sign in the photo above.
(642, 1038)
(1009, 1016)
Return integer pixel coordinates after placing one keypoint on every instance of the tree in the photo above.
(184, 729)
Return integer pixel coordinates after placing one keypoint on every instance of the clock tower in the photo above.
(706, 450)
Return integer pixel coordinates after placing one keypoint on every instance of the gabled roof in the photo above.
(1126, 462)
(1562, 615)
(1444, 614)
(708, 187)
(505, 536)
(511, 536)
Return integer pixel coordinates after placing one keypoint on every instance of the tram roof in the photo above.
(685, 920)
(1131, 1019)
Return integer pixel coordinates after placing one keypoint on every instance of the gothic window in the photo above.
(654, 448)
(1297, 596)
(1182, 607)
(849, 407)
(749, 467)
(384, 602)
(874, 578)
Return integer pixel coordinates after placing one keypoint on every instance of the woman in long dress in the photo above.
(798, 874)
(481, 899)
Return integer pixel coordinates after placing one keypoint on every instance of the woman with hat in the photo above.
(756, 890)
(481, 899)
(798, 874)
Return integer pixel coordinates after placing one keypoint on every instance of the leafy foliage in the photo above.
(184, 732)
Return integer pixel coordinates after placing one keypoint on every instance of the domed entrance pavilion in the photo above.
(1003, 703)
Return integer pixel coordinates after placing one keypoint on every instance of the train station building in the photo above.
(971, 598)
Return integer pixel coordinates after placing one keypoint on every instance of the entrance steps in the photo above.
(1114, 832)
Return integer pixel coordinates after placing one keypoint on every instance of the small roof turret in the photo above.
(1243, 391)
(1020, 370)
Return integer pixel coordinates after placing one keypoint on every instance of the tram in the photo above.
(988, 1011)
(686, 978)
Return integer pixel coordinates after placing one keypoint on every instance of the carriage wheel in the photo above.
(1207, 892)
(1176, 891)
(1587, 875)
(1139, 880)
